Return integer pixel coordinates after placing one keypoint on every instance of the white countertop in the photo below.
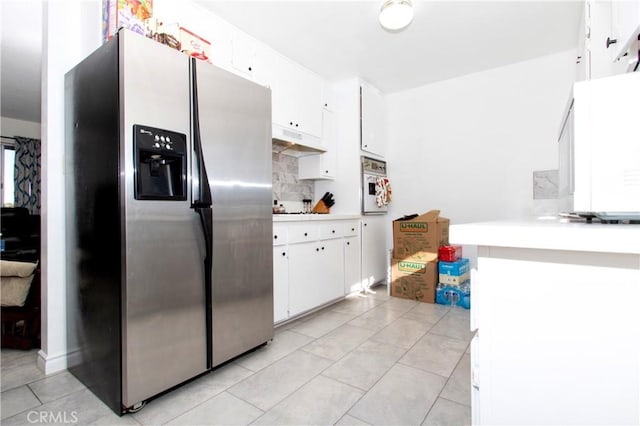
(552, 234)
(314, 217)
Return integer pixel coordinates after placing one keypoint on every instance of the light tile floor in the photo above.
(369, 359)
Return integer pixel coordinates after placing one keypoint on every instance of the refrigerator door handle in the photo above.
(206, 219)
(201, 201)
(201, 196)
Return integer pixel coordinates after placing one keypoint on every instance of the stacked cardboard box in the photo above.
(453, 284)
(414, 267)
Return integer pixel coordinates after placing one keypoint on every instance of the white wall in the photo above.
(12, 127)
(468, 146)
(71, 31)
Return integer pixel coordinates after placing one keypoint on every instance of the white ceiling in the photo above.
(341, 39)
(337, 39)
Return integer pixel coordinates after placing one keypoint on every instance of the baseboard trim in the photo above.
(51, 364)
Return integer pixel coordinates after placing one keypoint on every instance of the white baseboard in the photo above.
(51, 364)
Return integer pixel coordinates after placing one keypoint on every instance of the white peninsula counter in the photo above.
(557, 309)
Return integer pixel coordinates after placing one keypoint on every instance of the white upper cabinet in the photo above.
(625, 21)
(373, 136)
(243, 55)
(322, 166)
(307, 109)
(583, 55)
(296, 94)
(602, 63)
(598, 43)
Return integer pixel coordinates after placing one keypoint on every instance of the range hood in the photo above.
(294, 143)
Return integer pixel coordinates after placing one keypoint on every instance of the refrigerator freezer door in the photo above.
(164, 325)
(235, 126)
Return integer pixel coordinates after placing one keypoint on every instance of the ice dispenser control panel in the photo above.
(160, 159)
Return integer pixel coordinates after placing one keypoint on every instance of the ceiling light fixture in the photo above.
(396, 14)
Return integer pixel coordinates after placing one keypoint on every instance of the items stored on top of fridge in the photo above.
(194, 45)
(129, 14)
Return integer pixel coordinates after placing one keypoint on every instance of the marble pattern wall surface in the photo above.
(286, 186)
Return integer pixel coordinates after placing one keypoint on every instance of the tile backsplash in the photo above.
(286, 186)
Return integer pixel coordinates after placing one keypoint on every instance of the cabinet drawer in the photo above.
(351, 228)
(331, 230)
(300, 233)
(279, 234)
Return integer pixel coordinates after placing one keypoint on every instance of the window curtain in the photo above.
(27, 174)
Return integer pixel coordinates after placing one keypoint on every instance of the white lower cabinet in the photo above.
(280, 283)
(374, 254)
(315, 274)
(308, 274)
(352, 260)
(303, 268)
(558, 339)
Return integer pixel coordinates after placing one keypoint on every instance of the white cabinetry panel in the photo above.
(280, 284)
(322, 166)
(373, 121)
(279, 234)
(352, 261)
(316, 274)
(626, 25)
(313, 265)
(374, 252)
(542, 345)
(296, 94)
(304, 268)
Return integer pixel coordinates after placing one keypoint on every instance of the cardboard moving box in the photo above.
(414, 280)
(420, 238)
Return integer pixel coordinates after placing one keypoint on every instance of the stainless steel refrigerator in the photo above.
(168, 185)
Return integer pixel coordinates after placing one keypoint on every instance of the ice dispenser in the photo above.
(160, 158)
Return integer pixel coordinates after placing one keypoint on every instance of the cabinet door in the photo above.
(330, 143)
(582, 345)
(316, 274)
(296, 94)
(374, 250)
(602, 63)
(304, 272)
(278, 73)
(626, 25)
(583, 54)
(280, 284)
(352, 267)
(331, 278)
(372, 110)
(243, 55)
(308, 102)
(322, 166)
